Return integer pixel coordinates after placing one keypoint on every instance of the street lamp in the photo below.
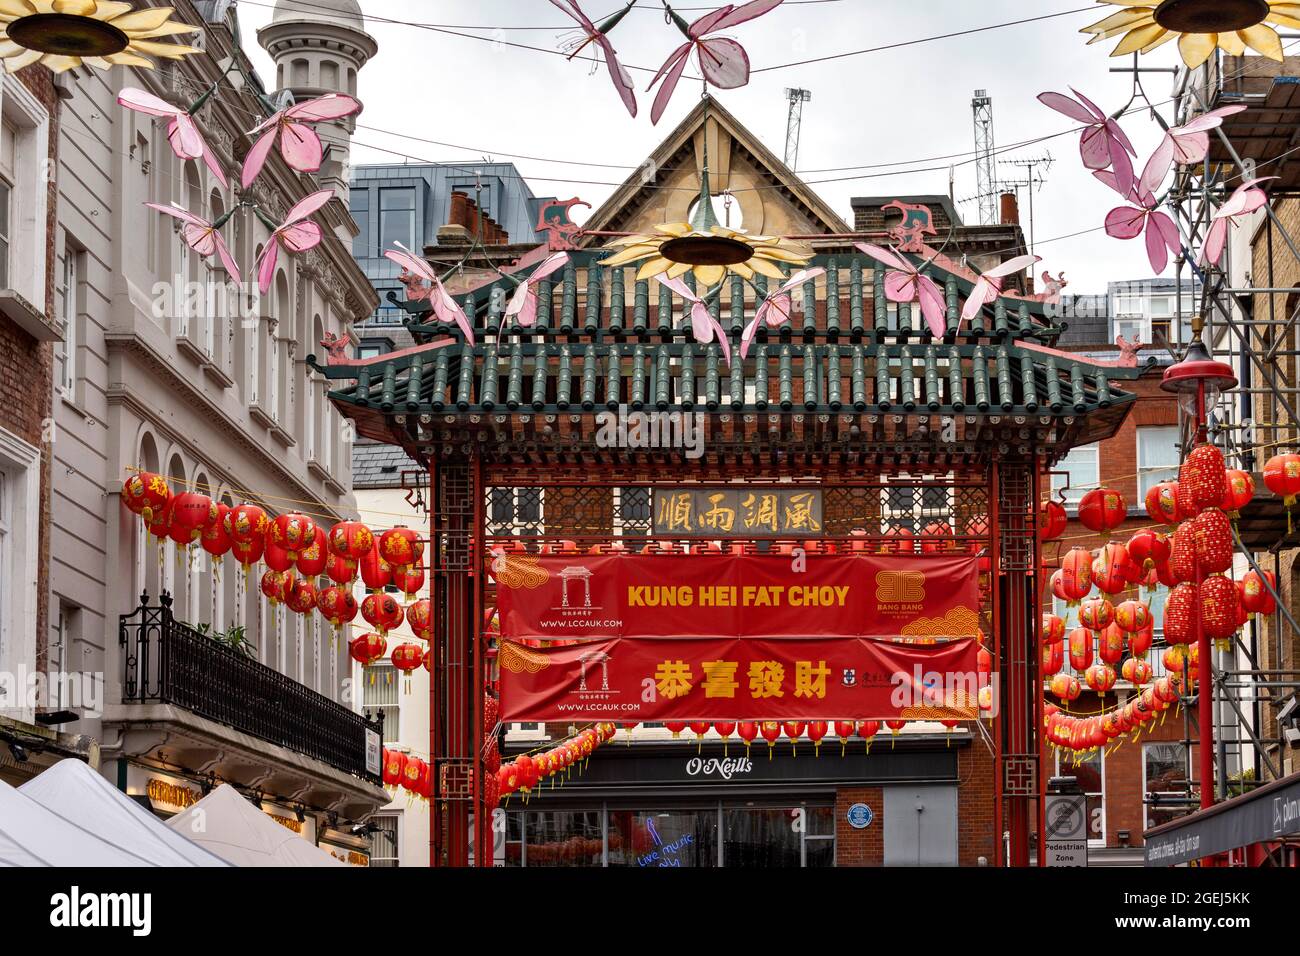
(1199, 380)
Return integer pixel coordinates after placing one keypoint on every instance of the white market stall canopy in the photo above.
(83, 797)
(31, 835)
(232, 828)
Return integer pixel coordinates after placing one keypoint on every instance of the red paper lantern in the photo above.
(247, 553)
(245, 524)
(1182, 552)
(1133, 616)
(816, 731)
(771, 731)
(337, 605)
(747, 730)
(162, 521)
(1051, 520)
(1140, 642)
(937, 537)
(898, 541)
(1100, 677)
(351, 541)
(794, 729)
(1057, 583)
(301, 597)
(191, 512)
(1219, 607)
(1212, 534)
(1239, 492)
(375, 572)
(724, 729)
(410, 581)
(1180, 612)
(1096, 614)
(419, 615)
(1148, 547)
(868, 729)
(293, 532)
(1256, 596)
(400, 547)
(1066, 687)
(675, 726)
(1053, 658)
(1076, 574)
(1053, 629)
(146, 494)
(1136, 672)
(276, 557)
(367, 648)
(313, 558)
(1174, 659)
(1102, 510)
(381, 611)
(1110, 645)
(1202, 480)
(1113, 570)
(844, 729)
(1162, 502)
(275, 585)
(1282, 477)
(394, 767)
(699, 728)
(407, 657)
(215, 540)
(338, 571)
(1080, 649)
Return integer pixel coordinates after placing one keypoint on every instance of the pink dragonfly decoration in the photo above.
(723, 61)
(907, 284)
(445, 309)
(590, 33)
(776, 309)
(299, 144)
(1103, 145)
(523, 304)
(296, 234)
(704, 326)
(989, 285)
(1143, 217)
(1191, 141)
(201, 236)
(1244, 200)
(182, 132)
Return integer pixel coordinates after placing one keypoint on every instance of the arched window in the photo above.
(329, 75)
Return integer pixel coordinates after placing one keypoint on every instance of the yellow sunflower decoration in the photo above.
(1199, 25)
(708, 250)
(63, 34)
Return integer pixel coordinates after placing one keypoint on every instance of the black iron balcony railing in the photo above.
(168, 662)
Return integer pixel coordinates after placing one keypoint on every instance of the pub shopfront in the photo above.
(684, 803)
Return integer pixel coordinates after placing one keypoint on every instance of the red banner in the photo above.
(656, 679)
(561, 597)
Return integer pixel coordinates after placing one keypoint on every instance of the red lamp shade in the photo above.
(1096, 614)
(1066, 687)
(1282, 477)
(301, 597)
(1080, 640)
(351, 541)
(1202, 480)
(1137, 672)
(1212, 534)
(1110, 645)
(1051, 520)
(381, 611)
(1076, 574)
(1100, 677)
(146, 494)
(1162, 502)
(1113, 570)
(400, 547)
(1240, 490)
(214, 538)
(1148, 547)
(367, 648)
(407, 657)
(419, 615)
(1180, 611)
(191, 512)
(1220, 609)
(1102, 510)
(1053, 658)
(313, 558)
(1133, 616)
(245, 524)
(337, 605)
(293, 532)
(1256, 595)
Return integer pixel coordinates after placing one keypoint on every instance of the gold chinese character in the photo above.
(810, 681)
(719, 678)
(674, 678)
(799, 513)
(760, 511)
(765, 679)
(675, 512)
(718, 517)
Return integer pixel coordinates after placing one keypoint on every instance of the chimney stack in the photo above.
(1010, 209)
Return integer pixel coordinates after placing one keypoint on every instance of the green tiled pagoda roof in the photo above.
(602, 340)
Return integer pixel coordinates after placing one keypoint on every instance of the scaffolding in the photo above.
(1246, 312)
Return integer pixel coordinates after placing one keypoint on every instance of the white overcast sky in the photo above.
(889, 106)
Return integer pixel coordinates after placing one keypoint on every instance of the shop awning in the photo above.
(232, 828)
(31, 835)
(83, 797)
(1267, 814)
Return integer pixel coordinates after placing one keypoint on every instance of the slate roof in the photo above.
(376, 465)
